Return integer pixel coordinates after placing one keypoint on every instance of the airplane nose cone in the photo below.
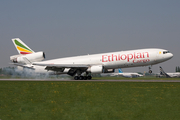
(171, 55)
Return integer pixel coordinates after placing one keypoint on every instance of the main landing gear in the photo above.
(85, 76)
(82, 77)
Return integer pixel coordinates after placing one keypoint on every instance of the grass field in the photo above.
(89, 100)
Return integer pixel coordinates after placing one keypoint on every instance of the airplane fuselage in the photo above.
(114, 60)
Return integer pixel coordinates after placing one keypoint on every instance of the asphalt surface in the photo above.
(90, 80)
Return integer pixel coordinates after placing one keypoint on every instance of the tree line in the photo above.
(177, 69)
(8, 71)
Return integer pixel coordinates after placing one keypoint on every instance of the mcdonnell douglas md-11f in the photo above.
(89, 64)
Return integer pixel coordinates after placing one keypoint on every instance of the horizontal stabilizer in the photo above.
(22, 65)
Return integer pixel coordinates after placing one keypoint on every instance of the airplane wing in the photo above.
(64, 65)
(73, 68)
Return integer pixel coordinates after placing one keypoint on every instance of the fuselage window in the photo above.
(164, 52)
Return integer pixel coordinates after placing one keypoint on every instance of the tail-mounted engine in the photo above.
(28, 58)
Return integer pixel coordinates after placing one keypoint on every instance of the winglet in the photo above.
(21, 47)
(120, 70)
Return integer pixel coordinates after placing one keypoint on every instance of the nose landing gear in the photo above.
(150, 71)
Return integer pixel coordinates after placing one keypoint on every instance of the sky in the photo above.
(64, 28)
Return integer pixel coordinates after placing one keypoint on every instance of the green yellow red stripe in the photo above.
(24, 53)
(23, 50)
(21, 45)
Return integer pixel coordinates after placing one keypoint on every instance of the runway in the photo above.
(90, 80)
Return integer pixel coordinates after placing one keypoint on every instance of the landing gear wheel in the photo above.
(89, 77)
(76, 78)
(150, 71)
(85, 77)
(81, 78)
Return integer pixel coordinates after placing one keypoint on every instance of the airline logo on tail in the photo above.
(120, 70)
(21, 47)
(163, 73)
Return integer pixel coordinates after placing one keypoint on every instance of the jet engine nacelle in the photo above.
(95, 69)
(34, 57)
(99, 69)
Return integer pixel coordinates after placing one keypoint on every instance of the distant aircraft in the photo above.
(168, 75)
(129, 75)
(89, 64)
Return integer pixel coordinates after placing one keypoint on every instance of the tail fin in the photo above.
(21, 47)
(120, 71)
(163, 73)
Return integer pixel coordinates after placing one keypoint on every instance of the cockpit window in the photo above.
(164, 52)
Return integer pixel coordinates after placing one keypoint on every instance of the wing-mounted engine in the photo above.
(28, 58)
(99, 69)
(95, 69)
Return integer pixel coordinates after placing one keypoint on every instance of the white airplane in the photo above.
(129, 75)
(89, 64)
(168, 75)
